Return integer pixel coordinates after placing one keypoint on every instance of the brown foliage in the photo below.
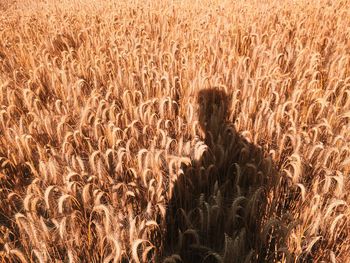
(174, 131)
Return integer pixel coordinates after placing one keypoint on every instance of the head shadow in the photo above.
(219, 203)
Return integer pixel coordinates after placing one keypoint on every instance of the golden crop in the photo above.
(177, 130)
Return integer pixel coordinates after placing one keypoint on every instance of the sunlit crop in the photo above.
(175, 131)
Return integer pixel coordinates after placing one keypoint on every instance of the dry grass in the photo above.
(194, 131)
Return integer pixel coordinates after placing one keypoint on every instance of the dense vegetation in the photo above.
(194, 131)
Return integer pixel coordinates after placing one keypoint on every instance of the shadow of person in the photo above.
(219, 204)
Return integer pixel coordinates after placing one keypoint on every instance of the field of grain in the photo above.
(174, 131)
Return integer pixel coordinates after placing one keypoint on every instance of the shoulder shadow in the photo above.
(219, 204)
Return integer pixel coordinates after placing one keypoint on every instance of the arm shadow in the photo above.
(220, 203)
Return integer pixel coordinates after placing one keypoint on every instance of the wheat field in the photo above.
(174, 131)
